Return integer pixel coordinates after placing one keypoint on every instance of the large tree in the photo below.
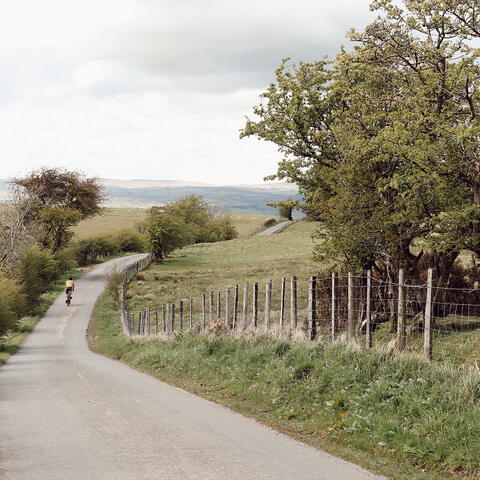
(383, 143)
(58, 200)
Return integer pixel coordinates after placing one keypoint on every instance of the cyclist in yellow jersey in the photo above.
(69, 286)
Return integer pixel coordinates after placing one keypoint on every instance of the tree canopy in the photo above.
(57, 199)
(383, 140)
(184, 222)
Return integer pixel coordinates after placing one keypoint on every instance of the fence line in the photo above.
(127, 324)
(361, 309)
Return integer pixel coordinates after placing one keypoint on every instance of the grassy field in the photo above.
(114, 219)
(401, 417)
(208, 267)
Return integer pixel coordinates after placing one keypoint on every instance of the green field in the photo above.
(204, 268)
(114, 219)
(111, 221)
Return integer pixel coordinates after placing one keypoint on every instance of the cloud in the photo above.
(151, 88)
(240, 41)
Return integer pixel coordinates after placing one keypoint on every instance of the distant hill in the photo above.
(231, 198)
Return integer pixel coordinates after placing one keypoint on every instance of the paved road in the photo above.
(69, 414)
(276, 228)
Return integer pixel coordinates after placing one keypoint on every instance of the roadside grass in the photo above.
(454, 341)
(402, 417)
(209, 267)
(115, 219)
(11, 342)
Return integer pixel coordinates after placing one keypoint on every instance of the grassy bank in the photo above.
(11, 342)
(208, 267)
(401, 417)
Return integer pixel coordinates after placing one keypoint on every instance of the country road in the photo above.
(279, 227)
(69, 414)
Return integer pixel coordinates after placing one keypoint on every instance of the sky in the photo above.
(152, 89)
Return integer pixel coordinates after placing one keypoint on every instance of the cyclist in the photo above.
(69, 287)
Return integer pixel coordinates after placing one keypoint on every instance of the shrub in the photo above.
(12, 304)
(130, 241)
(219, 230)
(269, 222)
(38, 269)
(65, 260)
(89, 250)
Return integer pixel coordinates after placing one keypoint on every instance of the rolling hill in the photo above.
(231, 198)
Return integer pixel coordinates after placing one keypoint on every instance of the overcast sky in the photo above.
(154, 89)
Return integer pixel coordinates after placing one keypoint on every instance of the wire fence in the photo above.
(437, 322)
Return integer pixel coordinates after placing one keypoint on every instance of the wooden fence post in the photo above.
(351, 312)
(181, 315)
(312, 308)
(148, 320)
(190, 313)
(168, 329)
(156, 320)
(211, 308)
(427, 345)
(219, 304)
(282, 302)
(202, 318)
(173, 316)
(227, 308)
(368, 329)
(139, 322)
(293, 302)
(401, 327)
(245, 305)
(333, 311)
(255, 305)
(268, 303)
(235, 307)
(164, 319)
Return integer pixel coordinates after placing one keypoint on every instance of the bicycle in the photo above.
(69, 296)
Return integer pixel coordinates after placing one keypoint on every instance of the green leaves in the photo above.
(383, 142)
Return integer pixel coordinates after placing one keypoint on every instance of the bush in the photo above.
(130, 241)
(38, 269)
(65, 260)
(12, 304)
(89, 250)
(269, 222)
(219, 230)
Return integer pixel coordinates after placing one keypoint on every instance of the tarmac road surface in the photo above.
(67, 414)
(279, 227)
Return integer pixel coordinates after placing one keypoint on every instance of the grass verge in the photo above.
(398, 416)
(11, 342)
